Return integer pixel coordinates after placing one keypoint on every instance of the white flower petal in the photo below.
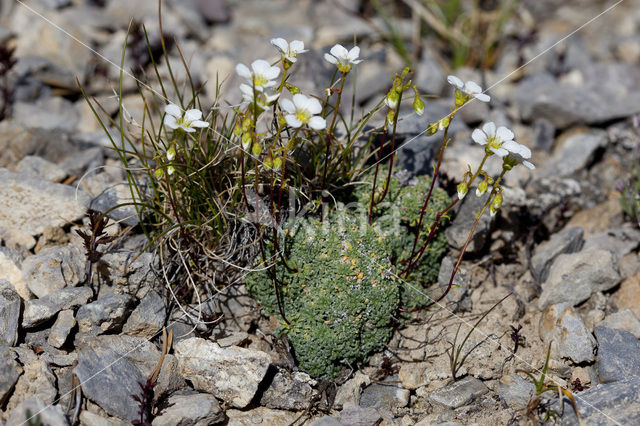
(471, 87)
(260, 66)
(455, 81)
(281, 44)
(243, 71)
(524, 151)
(356, 62)
(271, 73)
(482, 97)
(287, 106)
(479, 137)
(528, 165)
(293, 121)
(199, 123)
(170, 122)
(192, 115)
(511, 146)
(246, 90)
(187, 129)
(271, 98)
(330, 59)
(300, 101)
(339, 51)
(353, 53)
(490, 129)
(317, 123)
(504, 134)
(500, 152)
(297, 46)
(173, 110)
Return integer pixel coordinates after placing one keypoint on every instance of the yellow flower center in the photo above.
(303, 115)
(259, 80)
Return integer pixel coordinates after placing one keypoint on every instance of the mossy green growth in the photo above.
(397, 219)
(338, 292)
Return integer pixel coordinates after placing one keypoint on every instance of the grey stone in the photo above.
(40, 310)
(198, 409)
(429, 75)
(350, 391)
(112, 197)
(609, 91)
(574, 277)
(385, 396)
(128, 268)
(105, 314)
(543, 135)
(575, 153)
(606, 404)
(618, 354)
(546, 198)
(465, 216)
(618, 241)
(54, 4)
(231, 374)
(567, 241)
(623, 320)
(29, 204)
(458, 393)
(77, 163)
(147, 318)
(353, 415)
(89, 418)
(10, 371)
(10, 304)
(34, 410)
(54, 268)
(37, 380)
(12, 274)
(287, 392)
(214, 11)
(109, 379)
(458, 292)
(325, 421)
(48, 113)
(40, 167)
(61, 328)
(570, 338)
(516, 391)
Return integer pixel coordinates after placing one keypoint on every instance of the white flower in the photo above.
(263, 99)
(470, 88)
(518, 154)
(261, 74)
(289, 50)
(343, 58)
(303, 110)
(499, 139)
(174, 118)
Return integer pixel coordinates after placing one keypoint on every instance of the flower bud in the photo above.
(170, 170)
(246, 124)
(495, 204)
(281, 120)
(237, 129)
(444, 123)
(277, 163)
(267, 163)
(462, 190)
(292, 89)
(461, 98)
(327, 92)
(433, 128)
(418, 106)
(246, 141)
(391, 115)
(171, 153)
(482, 188)
(158, 173)
(256, 149)
(392, 99)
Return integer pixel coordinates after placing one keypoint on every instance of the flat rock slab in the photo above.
(38, 311)
(288, 391)
(231, 374)
(105, 314)
(566, 241)
(109, 379)
(54, 268)
(459, 393)
(574, 277)
(10, 370)
(29, 204)
(570, 338)
(618, 354)
(197, 409)
(606, 404)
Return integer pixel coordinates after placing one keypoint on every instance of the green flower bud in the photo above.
(277, 163)
(170, 170)
(292, 89)
(256, 149)
(158, 173)
(482, 188)
(462, 190)
(171, 153)
(391, 116)
(418, 106)
(444, 123)
(433, 128)
(237, 129)
(246, 124)
(267, 163)
(246, 141)
(392, 99)
(461, 98)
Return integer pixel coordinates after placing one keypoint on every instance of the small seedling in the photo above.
(543, 386)
(146, 400)
(94, 239)
(455, 362)
(518, 340)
